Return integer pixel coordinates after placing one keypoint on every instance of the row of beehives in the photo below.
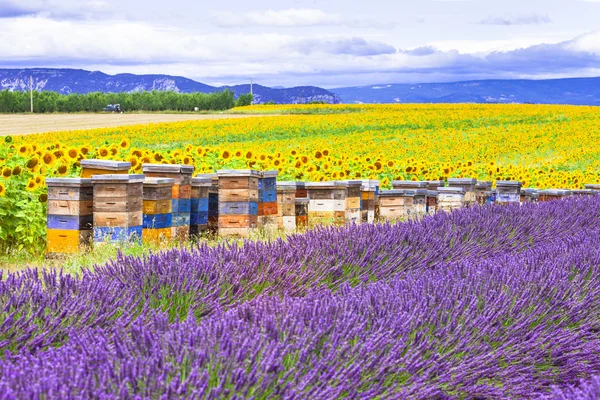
(108, 204)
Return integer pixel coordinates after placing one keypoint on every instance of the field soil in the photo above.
(16, 124)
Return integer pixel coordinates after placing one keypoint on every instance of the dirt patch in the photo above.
(19, 124)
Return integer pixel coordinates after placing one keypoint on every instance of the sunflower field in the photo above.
(542, 146)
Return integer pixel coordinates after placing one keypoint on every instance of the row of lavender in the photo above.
(484, 302)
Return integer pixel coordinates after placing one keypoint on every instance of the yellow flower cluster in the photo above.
(542, 146)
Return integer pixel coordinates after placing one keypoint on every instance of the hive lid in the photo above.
(149, 181)
(118, 178)
(451, 190)
(410, 184)
(354, 183)
(341, 184)
(554, 192)
(462, 181)
(584, 192)
(529, 191)
(370, 182)
(168, 168)
(433, 185)
(300, 185)
(286, 185)
(593, 186)
(319, 185)
(105, 164)
(270, 174)
(421, 192)
(239, 172)
(508, 184)
(204, 181)
(397, 193)
(431, 193)
(483, 185)
(302, 200)
(207, 176)
(69, 182)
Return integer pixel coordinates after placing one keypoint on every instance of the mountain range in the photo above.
(68, 81)
(578, 91)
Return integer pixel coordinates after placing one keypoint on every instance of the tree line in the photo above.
(50, 102)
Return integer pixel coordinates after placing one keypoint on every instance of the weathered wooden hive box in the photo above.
(213, 202)
(327, 204)
(181, 194)
(483, 192)
(411, 185)
(70, 215)
(157, 210)
(118, 208)
(397, 204)
(369, 202)
(201, 187)
(529, 195)
(450, 198)
(286, 206)
(103, 167)
(238, 202)
(468, 185)
(583, 192)
(508, 192)
(302, 212)
(432, 187)
(301, 191)
(267, 200)
(593, 186)
(552, 194)
(353, 200)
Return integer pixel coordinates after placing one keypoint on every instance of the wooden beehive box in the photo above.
(157, 210)
(238, 202)
(124, 221)
(552, 194)
(327, 204)
(201, 187)
(450, 198)
(369, 200)
(70, 215)
(412, 185)
(353, 202)
(396, 204)
(468, 185)
(301, 191)
(483, 192)
(286, 206)
(302, 212)
(508, 192)
(103, 167)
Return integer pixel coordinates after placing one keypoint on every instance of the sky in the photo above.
(327, 43)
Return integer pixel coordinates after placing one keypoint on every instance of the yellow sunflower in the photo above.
(2, 189)
(7, 172)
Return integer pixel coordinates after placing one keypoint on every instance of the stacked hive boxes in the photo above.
(267, 200)
(583, 192)
(450, 198)
(157, 210)
(592, 186)
(396, 204)
(201, 186)
(213, 201)
(483, 192)
(181, 194)
(327, 203)
(302, 212)
(420, 200)
(468, 185)
(552, 194)
(238, 202)
(369, 201)
(118, 207)
(286, 206)
(70, 217)
(432, 187)
(529, 195)
(103, 167)
(508, 192)
(353, 199)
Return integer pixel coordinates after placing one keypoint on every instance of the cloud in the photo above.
(9, 9)
(349, 46)
(63, 10)
(293, 17)
(533, 19)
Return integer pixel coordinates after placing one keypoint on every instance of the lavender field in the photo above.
(484, 303)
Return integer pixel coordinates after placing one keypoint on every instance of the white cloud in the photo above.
(531, 19)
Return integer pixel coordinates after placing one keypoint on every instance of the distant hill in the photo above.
(578, 91)
(68, 81)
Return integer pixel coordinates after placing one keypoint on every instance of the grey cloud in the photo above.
(11, 10)
(533, 19)
(420, 51)
(351, 46)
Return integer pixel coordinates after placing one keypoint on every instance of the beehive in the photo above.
(181, 194)
(353, 200)
(529, 195)
(508, 192)
(201, 187)
(302, 212)
(450, 198)
(286, 206)
(327, 205)
(412, 185)
(118, 208)
(238, 202)
(301, 191)
(397, 204)
(552, 194)
(483, 192)
(70, 215)
(213, 202)
(103, 167)
(468, 185)
(432, 187)
(157, 210)
(267, 200)
(369, 201)
(583, 192)
(593, 186)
